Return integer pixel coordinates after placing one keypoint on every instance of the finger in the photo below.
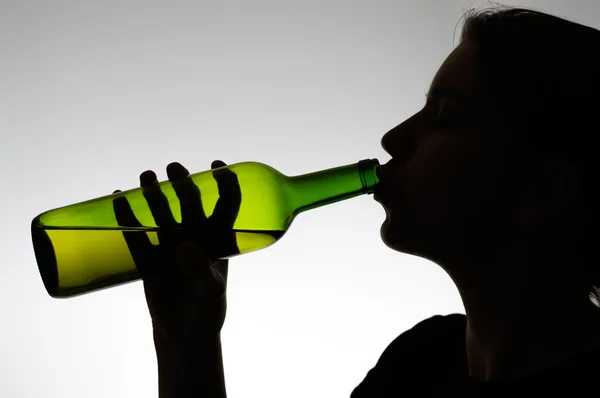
(192, 211)
(123, 212)
(217, 163)
(137, 241)
(193, 262)
(176, 172)
(230, 197)
(147, 178)
(156, 199)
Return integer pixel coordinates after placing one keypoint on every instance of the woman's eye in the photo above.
(444, 119)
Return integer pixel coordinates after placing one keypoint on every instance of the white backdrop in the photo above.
(94, 92)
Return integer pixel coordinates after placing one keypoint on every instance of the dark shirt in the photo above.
(429, 360)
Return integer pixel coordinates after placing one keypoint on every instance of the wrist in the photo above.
(174, 346)
(185, 334)
(190, 367)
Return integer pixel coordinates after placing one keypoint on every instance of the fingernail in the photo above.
(148, 177)
(217, 163)
(176, 170)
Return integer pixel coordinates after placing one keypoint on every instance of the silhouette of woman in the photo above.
(493, 180)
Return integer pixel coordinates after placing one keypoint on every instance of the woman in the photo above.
(493, 181)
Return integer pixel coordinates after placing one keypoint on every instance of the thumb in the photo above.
(193, 262)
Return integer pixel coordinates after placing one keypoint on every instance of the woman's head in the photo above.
(502, 154)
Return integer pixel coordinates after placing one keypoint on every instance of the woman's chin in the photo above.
(395, 236)
(387, 236)
(399, 236)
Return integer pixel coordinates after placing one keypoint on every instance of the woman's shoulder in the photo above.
(434, 348)
(437, 335)
(438, 325)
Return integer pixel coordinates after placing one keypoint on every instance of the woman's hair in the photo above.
(547, 69)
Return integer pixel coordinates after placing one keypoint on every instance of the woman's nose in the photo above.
(399, 142)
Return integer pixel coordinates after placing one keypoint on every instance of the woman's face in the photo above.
(452, 186)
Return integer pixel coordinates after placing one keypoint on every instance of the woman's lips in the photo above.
(386, 188)
(385, 193)
(380, 193)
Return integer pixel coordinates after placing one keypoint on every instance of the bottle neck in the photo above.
(321, 188)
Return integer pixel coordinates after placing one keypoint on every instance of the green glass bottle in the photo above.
(235, 209)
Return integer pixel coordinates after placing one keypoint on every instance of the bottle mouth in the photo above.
(381, 179)
(370, 174)
(379, 173)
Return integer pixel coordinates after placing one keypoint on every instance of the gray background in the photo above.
(94, 92)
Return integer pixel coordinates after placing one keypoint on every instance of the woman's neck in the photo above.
(520, 323)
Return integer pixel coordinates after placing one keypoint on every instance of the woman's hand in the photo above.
(184, 282)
